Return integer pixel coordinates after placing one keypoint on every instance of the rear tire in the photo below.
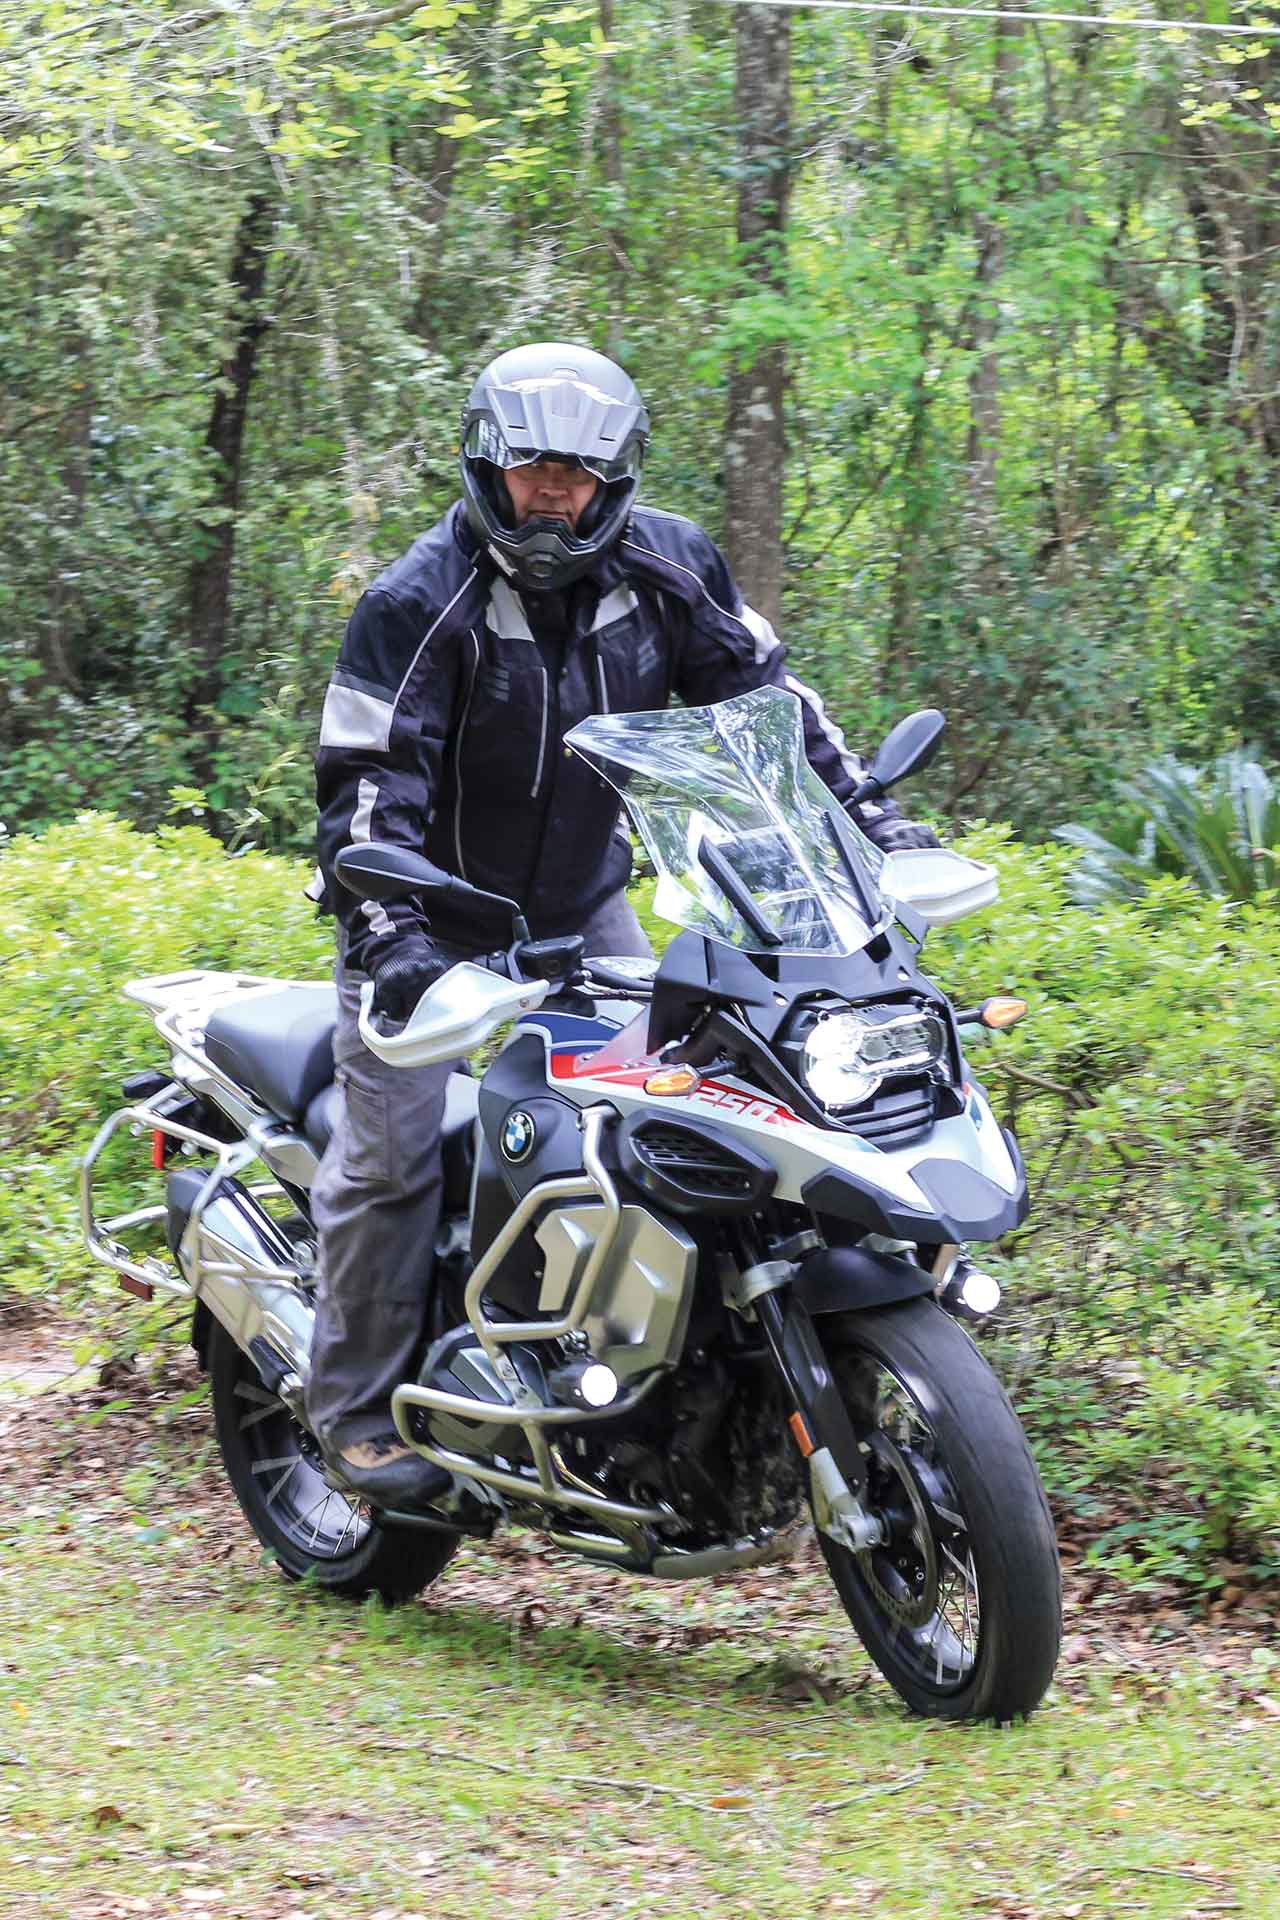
(961, 1608)
(314, 1532)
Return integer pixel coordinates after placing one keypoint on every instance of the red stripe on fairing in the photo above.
(745, 1102)
(573, 1066)
(739, 1102)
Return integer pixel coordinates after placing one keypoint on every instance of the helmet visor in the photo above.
(485, 440)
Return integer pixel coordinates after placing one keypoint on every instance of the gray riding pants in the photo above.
(376, 1201)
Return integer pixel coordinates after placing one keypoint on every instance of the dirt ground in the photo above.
(72, 1431)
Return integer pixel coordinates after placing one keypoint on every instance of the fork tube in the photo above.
(802, 1363)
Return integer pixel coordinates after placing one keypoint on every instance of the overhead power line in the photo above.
(910, 7)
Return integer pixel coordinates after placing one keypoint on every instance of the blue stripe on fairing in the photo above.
(572, 1032)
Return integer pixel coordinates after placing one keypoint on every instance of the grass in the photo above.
(184, 1734)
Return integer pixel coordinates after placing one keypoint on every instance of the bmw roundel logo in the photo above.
(518, 1135)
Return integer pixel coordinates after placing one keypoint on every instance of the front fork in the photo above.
(819, 1422)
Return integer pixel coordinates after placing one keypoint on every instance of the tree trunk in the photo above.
(440, 184)
(611, 165)
(755, 444)
(209, 587)
(912, 524)
(984, 381)
(60, 640)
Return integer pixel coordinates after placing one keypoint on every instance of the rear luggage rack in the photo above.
(143, 1274)
(183, 1002)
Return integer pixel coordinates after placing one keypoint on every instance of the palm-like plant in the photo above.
(1219, 827)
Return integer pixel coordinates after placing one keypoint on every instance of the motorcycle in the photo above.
(704, 1264)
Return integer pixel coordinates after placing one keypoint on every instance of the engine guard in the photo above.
(854, 1279)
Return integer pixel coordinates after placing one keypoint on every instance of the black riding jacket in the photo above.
(444, 722)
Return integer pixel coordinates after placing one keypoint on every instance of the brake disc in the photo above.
(913, 1598)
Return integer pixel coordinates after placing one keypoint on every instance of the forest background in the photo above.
(963, 337)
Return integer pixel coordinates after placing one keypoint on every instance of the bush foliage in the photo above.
(1142, 1333)
(1144, 1326)
(1219, 827)
(83, 909)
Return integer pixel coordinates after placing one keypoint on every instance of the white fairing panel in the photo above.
(798, 1149)
(939, 885)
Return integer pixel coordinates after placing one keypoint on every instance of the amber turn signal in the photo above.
(1002, 1011)
(673, 1080)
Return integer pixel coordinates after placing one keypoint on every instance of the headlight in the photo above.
(847, 1055)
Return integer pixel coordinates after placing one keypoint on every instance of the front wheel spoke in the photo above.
(291, 1468)
(259, 1414)
(946, 1601)
(324, 1508)
(936, 1644)
(939, 1621)
(967, 1572)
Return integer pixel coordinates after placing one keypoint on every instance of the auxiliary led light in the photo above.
(598, 1385)
(968, 1290)
(980, 1292)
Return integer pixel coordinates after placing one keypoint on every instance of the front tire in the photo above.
(314, 1532)
(960, 1606)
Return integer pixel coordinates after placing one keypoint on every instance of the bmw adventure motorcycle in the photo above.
(705, 1259)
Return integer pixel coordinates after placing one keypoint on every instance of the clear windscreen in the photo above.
(749, 846)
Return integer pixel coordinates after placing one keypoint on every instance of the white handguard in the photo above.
(457, 1012)
(939, 885)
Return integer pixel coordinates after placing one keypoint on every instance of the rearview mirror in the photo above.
(910, 746)
(375, 871)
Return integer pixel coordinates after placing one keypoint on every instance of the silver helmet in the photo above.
(573, 404)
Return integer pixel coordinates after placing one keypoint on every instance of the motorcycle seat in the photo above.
(279, 1045)
(461, 1105)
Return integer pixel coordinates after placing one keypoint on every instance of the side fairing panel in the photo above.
(799, 1150)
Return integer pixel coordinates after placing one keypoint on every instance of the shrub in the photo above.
(83, 909)
(1219, 828)
(1144, 1328)
(1143, 1331)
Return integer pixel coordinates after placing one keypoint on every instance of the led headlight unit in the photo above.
(846, 1055)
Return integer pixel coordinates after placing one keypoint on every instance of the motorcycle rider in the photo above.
(544, 595)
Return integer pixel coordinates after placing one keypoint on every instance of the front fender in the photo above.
(854, 1279)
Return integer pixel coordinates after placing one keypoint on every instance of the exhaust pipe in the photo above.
(237, 1260)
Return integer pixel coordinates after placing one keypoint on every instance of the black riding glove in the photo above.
(402, 977)
(886, 828)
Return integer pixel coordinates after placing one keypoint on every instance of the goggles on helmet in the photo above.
(485, 440)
